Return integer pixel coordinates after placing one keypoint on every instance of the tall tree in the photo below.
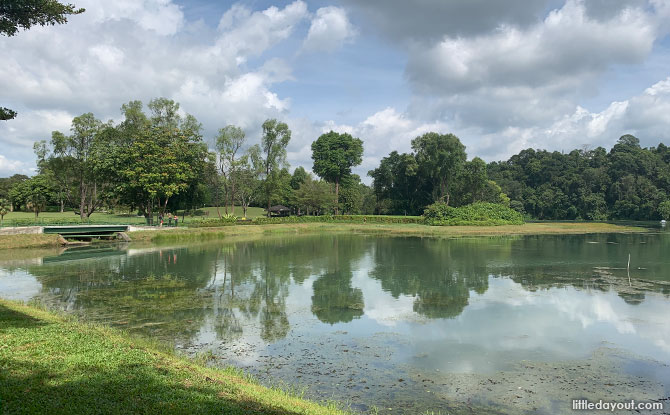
(276, 136)
(440, 157)
(80, 160)
(229, 143)
(164, 113)
(334, 155)
(158, 166)
(247, 184)
(23, 14)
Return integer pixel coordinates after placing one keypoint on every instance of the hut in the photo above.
(279, 210)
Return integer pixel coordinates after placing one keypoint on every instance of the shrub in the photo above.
(439, 214)
(226, 220)
(340, 219)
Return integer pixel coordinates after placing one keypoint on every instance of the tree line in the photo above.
(157, 161)
(628, 182)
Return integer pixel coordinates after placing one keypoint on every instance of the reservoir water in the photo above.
(518, 324)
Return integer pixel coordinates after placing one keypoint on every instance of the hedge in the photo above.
(482, 214)
(340, 219)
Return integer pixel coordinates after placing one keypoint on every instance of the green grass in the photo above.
(28, 218)
(394, 229)
(53, 364)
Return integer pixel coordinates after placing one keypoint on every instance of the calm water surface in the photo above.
(399, 325)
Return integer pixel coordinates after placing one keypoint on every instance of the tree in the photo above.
(4, 209)
(78, 160)
(334, 155)
(23, 14)
(229, 143)
(34, 193)
(6, 114)
(314, 196)
(664, 210)
(440, 158)
(272, 155)
(247, 184)
(162, 163)
(164, 113)
(6, 185)
(398, 185)
(299, 176)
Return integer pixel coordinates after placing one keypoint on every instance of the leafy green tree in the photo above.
(78, 161)
(229, 143)
(248, 184)
(34, 193)
(159, 165)
(664, 210)
(299, 177)
(164, 113)
(314, 197)
(4, 209)
(440, 158)
(334, 155)
(351, 195)
(399, 186)
(7, 114)
(272, 156)
(23, 14)
(6, 185)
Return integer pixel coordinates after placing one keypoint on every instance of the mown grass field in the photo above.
(127, 218)
(55, 365)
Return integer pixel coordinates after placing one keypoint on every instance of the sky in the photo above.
(502, 76)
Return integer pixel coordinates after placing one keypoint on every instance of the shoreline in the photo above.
(25, 241)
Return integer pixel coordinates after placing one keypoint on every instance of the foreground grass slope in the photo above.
(51, 364)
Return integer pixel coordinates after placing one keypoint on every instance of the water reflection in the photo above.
(168, 291)
(393, 306)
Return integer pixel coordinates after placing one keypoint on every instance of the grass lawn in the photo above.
(131, 219)
(198, 234)
(54, 365)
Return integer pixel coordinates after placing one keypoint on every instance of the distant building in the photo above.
(279, 210)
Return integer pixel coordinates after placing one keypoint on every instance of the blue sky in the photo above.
(503, 76)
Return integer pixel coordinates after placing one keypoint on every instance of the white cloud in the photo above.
(330, 29)
(10, 167)
(643, 115)
(128, 50)
(161, 16)
(566, 48)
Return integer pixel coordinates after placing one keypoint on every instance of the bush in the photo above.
(484, 214)
(226, 220)
(340, 219)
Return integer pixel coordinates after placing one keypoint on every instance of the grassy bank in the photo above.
(385, 229)
(27, 241)
(52, 364)
(192, 234)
